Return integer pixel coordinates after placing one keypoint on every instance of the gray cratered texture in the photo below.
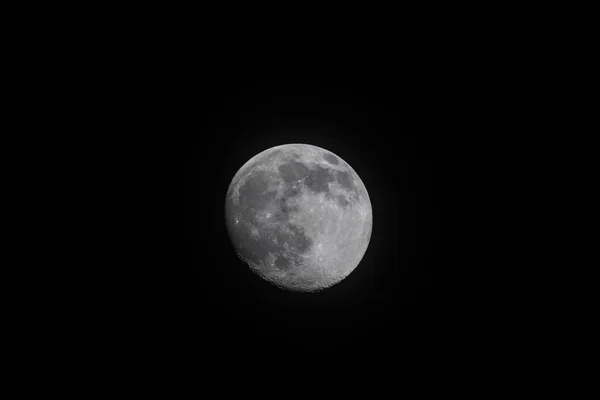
(299, 216)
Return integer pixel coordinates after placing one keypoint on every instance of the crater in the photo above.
(330, 158)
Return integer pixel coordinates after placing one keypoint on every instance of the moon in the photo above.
(299, 216)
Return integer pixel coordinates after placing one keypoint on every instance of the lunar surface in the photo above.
(299, 216)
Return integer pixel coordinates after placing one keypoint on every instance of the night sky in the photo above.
(429, 127)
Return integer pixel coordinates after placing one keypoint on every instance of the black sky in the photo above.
(426, 123)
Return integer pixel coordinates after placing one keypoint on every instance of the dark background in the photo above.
(384, 130)
(429, 122)
(418, 119)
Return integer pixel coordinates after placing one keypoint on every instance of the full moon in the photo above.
(299, 216)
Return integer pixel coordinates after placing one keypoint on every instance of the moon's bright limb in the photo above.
(299, 216)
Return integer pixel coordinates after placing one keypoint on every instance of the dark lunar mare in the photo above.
(284, 209)
(297, 241)
(291, 191)
(341, 200)
(282, 262)
(253, 194)
(292, 171)
(345, 180)
(330, 158)
(258, 250)
(254, 197)
(318, 179)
